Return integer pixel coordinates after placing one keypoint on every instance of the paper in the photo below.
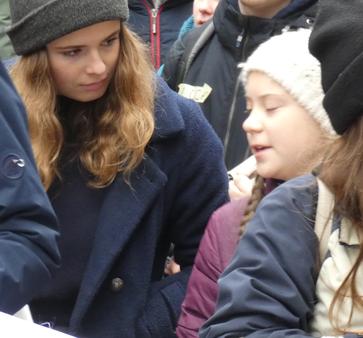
(12, 327)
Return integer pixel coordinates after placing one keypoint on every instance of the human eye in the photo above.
(72, 52)
(272, 104)
(110, 41)
(271, 109)
(248, 111)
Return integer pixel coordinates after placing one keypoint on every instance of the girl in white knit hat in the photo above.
(287, 130)
(298, 269)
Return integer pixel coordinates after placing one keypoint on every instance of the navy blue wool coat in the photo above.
(28, 226)
(181, 181)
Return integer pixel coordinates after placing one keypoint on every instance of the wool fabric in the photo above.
(336, 41)
(286, 59)
(35, 23)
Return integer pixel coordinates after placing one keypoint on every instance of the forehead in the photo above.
(88, 35)
(258, 81)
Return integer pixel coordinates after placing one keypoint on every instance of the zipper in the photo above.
(241, 40)
(154, 16)
(155, 25)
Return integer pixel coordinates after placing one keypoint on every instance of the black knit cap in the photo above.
(337, 42)
(35, 23)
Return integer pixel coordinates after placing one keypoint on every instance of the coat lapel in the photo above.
(124, 206)
(121, 213)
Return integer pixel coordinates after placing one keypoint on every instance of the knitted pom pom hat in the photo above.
(286, 59)
(38, 22)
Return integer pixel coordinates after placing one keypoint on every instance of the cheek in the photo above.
(115, 59)
(111, 60)
(63, 79)
(64, 74)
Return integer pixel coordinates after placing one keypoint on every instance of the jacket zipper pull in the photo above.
(239, 40)
(154, 14)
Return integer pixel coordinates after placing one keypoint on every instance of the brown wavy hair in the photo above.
(342, 172)
(112, 133)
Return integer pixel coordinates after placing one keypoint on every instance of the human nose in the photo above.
(204, 6)
(95, 64)
(252, 124)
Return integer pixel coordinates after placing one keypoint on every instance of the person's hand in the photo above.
(240, 186)
(241, 183)
(171, 268)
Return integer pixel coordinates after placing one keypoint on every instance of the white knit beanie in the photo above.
(286, 59)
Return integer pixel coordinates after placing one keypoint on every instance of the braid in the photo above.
(256, 197)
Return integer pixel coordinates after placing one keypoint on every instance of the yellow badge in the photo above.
(196, 93)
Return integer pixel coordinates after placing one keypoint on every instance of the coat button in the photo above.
(117, 284)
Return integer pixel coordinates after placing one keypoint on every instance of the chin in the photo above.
(86, 98)
(268, 173)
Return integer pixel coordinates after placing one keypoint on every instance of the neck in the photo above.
(263, 11)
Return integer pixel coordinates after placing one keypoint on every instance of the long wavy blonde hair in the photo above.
(112, 133)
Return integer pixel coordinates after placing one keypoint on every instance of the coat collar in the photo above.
(348, 234)
(168, 119)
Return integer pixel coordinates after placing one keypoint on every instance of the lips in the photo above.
(95, 85)
(259, 148)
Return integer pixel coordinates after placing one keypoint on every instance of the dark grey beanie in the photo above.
(38, 22)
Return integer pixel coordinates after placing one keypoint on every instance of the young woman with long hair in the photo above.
(126, 163)
(280, 283)
(287, 129)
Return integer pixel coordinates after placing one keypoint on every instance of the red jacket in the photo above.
(215, 251)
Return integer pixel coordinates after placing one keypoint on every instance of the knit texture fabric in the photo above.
(286, 59)
(38, 22)
(336, 41)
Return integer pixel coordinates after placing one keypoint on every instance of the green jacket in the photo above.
(6, 50)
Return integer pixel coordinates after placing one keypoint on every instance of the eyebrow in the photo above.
(265, 96)
(269, 95)
(81, 46)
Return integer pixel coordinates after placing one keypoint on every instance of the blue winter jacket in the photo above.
(28, 226)
(269, 288)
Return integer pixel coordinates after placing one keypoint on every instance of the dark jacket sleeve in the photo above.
(201, 186)
(28, 227)
(172, 63)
